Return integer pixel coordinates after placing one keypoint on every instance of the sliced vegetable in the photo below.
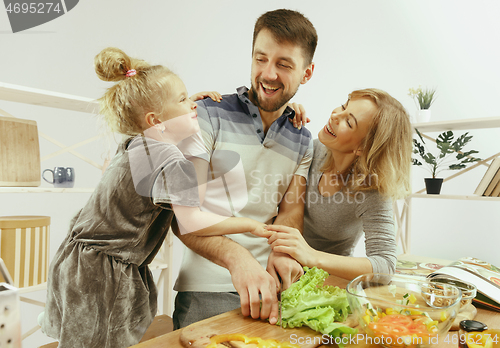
(398, 325)
(480, 340)
(407, 299)
(320, 307)
(270, 343)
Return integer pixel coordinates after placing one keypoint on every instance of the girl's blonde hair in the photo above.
(385, 162)
(124, 105)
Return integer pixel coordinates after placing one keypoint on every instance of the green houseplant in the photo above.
(423, 99)
(448, 146)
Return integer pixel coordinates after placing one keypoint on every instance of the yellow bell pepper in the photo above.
(390, 310)
(479, 340)
(270, 343)
(414, 311)
(432, 325)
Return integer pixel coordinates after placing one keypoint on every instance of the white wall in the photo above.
(389, 44)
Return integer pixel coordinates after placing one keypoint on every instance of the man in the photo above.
(273, 159)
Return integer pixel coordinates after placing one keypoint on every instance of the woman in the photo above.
(361, 162)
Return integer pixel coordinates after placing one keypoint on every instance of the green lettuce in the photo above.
(323, 308)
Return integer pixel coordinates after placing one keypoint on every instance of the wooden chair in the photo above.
(161, 325)
(24, 247)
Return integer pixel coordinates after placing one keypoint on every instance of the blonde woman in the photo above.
(361, 163)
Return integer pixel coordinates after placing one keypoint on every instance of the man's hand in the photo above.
(289, 269)
(248, 276)
(291, 213)
(250, 280)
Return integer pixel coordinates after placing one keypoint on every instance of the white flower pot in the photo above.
(423, 115)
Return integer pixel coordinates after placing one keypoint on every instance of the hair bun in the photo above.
(112, 64)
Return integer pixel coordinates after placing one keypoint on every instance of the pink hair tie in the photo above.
(131, 72)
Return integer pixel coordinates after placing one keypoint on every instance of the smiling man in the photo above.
(258, 168)
(277, 72)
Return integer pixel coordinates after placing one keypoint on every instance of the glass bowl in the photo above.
(469, 290)
(392, 311)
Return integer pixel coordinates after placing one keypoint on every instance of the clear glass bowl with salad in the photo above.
(394, 311)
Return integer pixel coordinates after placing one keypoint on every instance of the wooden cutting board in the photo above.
(19, 152)
(198, 335)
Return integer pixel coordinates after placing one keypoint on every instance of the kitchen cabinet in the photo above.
(404, 215)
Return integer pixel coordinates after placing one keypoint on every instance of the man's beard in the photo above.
(268, 105)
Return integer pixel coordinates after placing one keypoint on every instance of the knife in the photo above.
(279, 299)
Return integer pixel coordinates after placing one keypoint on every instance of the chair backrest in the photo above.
(4, 273)
(24, 247)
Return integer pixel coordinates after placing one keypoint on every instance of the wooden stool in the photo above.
(24, 247)
(161, 325)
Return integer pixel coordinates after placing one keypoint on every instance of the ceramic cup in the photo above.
(61, 177)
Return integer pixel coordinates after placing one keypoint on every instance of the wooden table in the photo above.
(171, 340)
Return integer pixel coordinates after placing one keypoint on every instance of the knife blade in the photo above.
(279, 302)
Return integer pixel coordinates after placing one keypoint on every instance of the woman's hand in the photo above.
(300, 118)
(290, 241)
(215, 96)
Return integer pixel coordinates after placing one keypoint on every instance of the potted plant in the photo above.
(423, 100)
(448, 146)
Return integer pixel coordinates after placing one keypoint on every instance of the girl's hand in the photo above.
(261, 231)
(215, 96)
(290, 241)
(300, 118)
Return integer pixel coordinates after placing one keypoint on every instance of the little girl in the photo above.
(101, 292)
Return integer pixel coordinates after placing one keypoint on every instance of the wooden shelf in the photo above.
(457, 197)
(44, 190)
(471, 123)
(403, 233)
(41, 97)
